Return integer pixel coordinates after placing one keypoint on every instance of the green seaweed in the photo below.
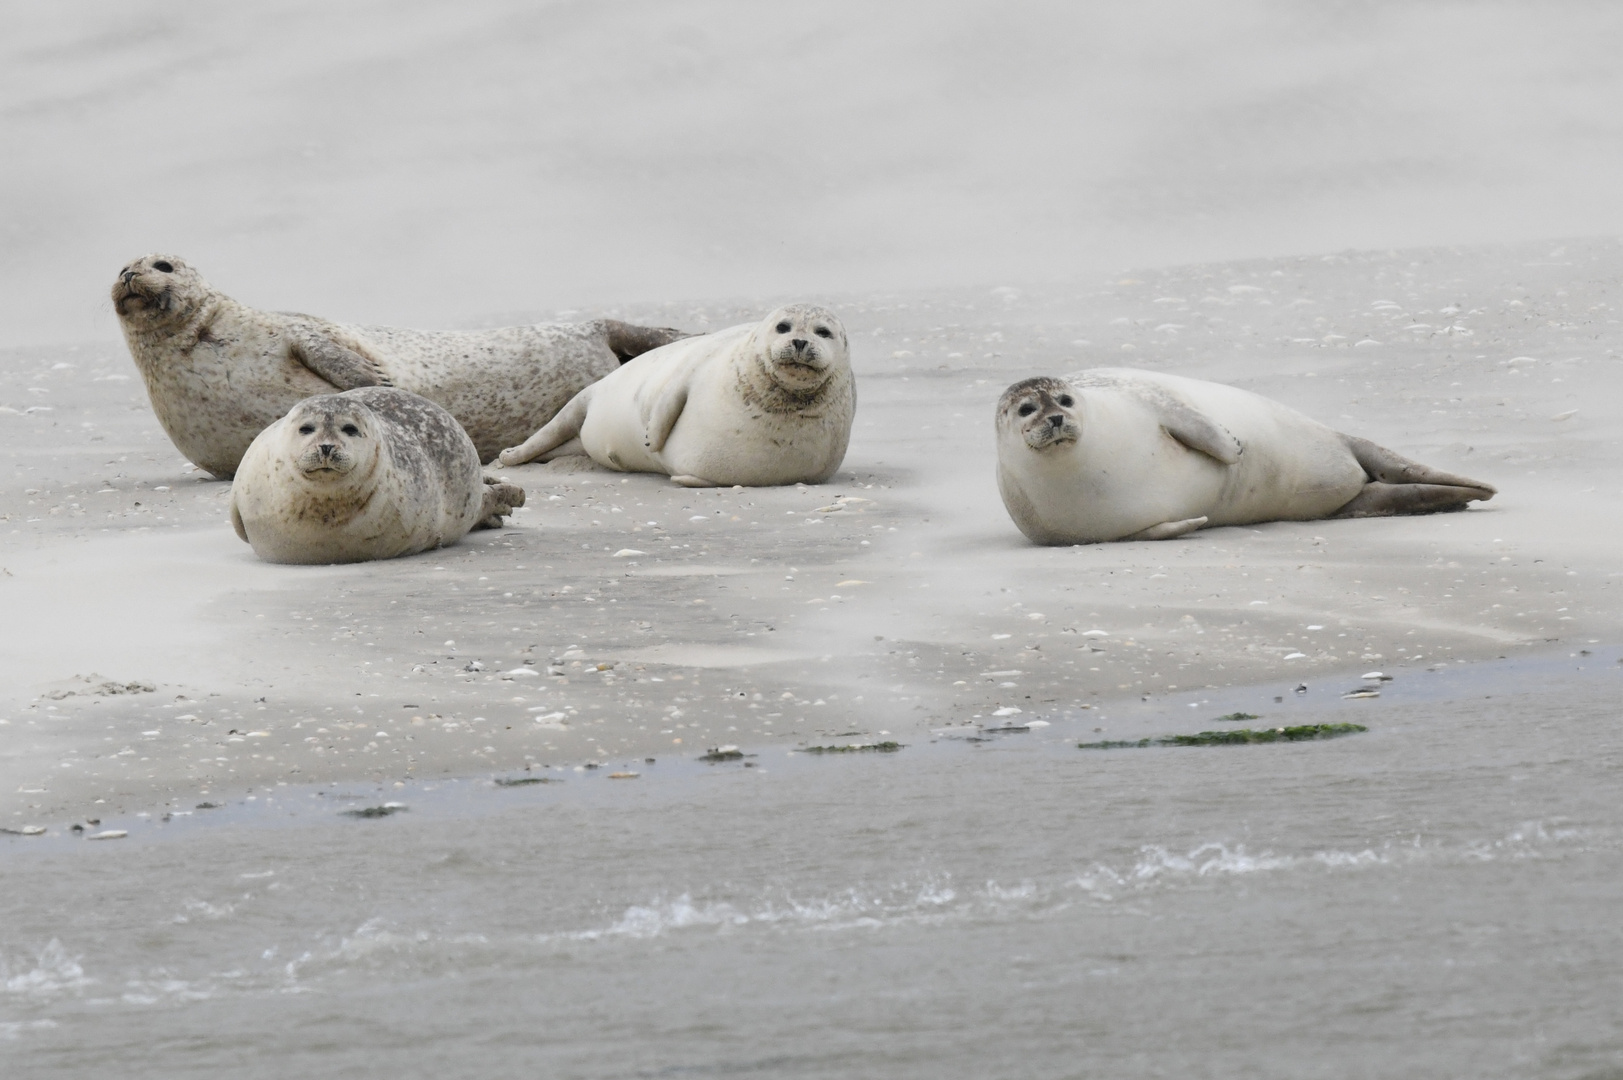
(854, 748)
(1299, 733)
(722, 755)
(522, 781)
(1239, 716)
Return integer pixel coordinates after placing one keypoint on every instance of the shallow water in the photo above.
(1436, 897)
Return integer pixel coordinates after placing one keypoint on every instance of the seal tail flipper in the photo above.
(1168, 530)
(1392, 468)
(499, 500)
(1380, 499)
(558, 431)
(628, 341)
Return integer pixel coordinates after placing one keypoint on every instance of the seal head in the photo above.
(156, 290)
(331, 438)
(1043, 411)
(797, 349)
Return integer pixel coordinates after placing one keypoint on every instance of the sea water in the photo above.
(1436, 897)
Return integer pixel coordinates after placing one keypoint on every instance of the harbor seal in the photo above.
(218, 371)
(367, 474)
(753, 405)
(1124, 454)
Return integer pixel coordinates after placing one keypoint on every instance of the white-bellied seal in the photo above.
(757, 405)
(218, 371)
(1124, 454)
(367, 474)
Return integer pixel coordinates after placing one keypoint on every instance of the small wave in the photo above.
(852, 909)
(52, 972)
(1158, 865)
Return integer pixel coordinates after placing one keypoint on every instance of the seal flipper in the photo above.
(666, 412)
(628, 341)
(500, 499)
(695, 482)
(557, 432)
(1389, 467)
(343, 367)
(1379, 499)
(1198, 431)
(1168, 530)
(236, 523)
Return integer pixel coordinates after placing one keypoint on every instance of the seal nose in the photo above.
(127, 276)
(327, 449)
(799, 344)
(1056, 421)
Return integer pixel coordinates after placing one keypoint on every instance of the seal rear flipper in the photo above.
(1198, 431)
(499, 500)
(1391, 467)
(1168, 530)
(558, 431)
(1380, 499)
(343, 367)
(628, 341)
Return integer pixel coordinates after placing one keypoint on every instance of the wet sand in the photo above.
(622, 617)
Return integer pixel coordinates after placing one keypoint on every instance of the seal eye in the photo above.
(350, 429)
(784, 327)
(823, 331)
(163, 267)
(307, 429)
(1066, 401)
(1027, 409)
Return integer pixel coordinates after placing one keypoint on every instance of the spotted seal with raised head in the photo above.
(755, 405)
(371, 473)
(1125, 454)
(218, 371)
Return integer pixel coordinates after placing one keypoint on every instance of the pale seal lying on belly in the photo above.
(218, 371)
(1124, 454)
(753, 405)
(367, 474)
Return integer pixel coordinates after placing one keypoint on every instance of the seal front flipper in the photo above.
(343, 367)
(236, 523)
(666, 412)
(1168, 530)
(1198, 431)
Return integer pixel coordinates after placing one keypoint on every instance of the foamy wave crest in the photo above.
(53, 971)
(852, 909)
(1156, 865)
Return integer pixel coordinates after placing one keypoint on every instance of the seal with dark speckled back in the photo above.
(218, 371)
(367, 474)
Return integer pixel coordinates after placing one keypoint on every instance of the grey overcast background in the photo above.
(441, 164)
